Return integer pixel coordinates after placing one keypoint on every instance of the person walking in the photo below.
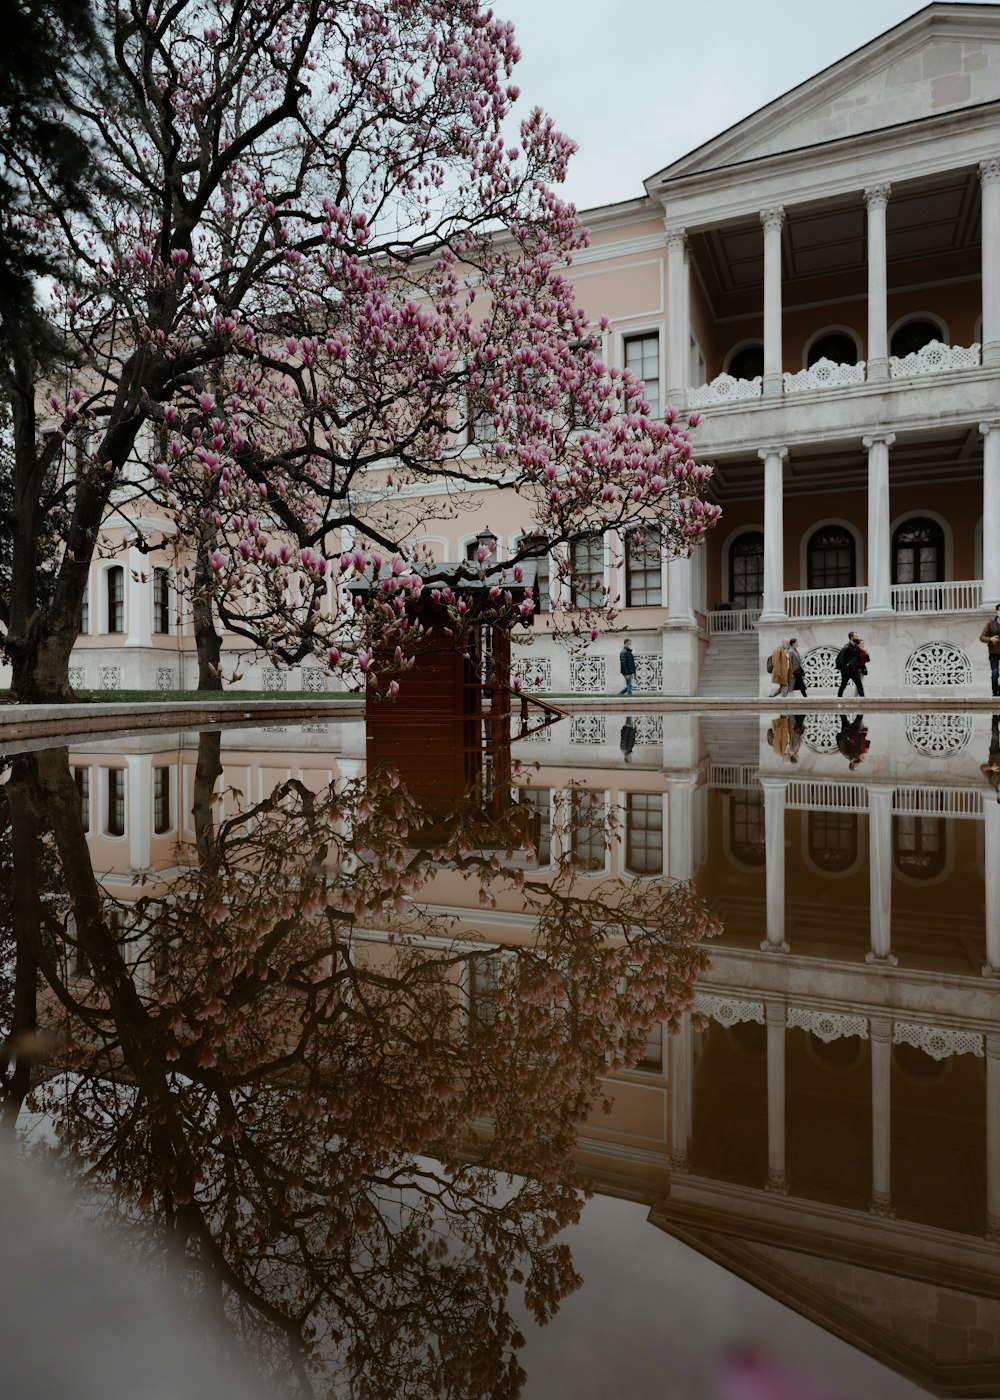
(991, 768)
(780, 669)
(626, 662)
(852, 741)
(627, 741)
(796, 669)
(849, 664)
(991, 636)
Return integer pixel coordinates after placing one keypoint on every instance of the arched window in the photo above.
(918, 845)
(913, 335)
(116, 598)
(837, 346)
(746, 826)
(746, 570)
(747, 363)
(833, 840)
(830, 558)
(918, 552)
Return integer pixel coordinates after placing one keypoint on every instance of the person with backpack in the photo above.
(991, 636)
(849, 664)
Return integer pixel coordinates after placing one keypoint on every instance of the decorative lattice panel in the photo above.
(534, 673)
(648, 673)
(588, 729)
(275, 679)
(78, 677)
(936, 1041)
(821, 732)
(934, 358)
(938, 663)
(725, 389)
(821, 669)
(727, 1010)
(313, 678)
(165, 678)
(315, 728)
(649, 729)
(540, 736)
(824, 374)
(939, 736)
(827, 1025)
(588, 675)
(111, 678)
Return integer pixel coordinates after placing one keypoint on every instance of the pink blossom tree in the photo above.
(331, 281)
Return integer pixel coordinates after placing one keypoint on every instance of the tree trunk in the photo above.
(18, 1049)
(207, 639)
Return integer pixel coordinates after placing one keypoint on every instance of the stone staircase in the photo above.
(732, 740)
(731, 668)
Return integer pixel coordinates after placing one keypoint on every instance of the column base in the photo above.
(679, 1164)
(879, 610)
(776, 1183)
(874, 959)
(993, 1227)
(677, 398)
(991, 352)
(881, 1205)
(768, 947)
(680, 624)
(772, 386)
(774, 615)
(989, 971)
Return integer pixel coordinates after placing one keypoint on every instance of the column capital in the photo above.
(989, 171)
(877, 196)
(776, 1183)
(991, 425)
(775, 1013)
(869, 442)
(772, 218)
(880, 1029)
(675, 236)
(774, 451)
(881, 1205)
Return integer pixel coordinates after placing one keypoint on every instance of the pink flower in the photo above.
(216, 560)
(751, 1375)
(206, 402)
(393, 689)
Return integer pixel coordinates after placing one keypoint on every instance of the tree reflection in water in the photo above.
(355, 1130)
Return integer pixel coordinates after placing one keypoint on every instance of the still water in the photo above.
(563, 1073)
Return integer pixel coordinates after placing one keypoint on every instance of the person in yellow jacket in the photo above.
(781, 668)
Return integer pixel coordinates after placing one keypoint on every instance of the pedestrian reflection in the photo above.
(627, 740)
(991, 768)
(852, 741)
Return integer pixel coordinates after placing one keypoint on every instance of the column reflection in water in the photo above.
(846, 1102)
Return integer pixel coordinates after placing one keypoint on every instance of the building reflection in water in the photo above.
(826, 1120)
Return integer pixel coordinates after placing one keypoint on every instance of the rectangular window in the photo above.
(161, 600)
(81, 776)
(480, 426)
(588, 831)
(644, 833)
(587, 569)
(539, 800)
(642, 357)
(543, 579)
(85, 611)
(116, 802)
(116, 599)
(652, 1058)
(161, 799)
(643, 572)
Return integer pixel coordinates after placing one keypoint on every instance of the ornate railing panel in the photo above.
(824, 374)
(733, 620)
(826, 602)
(725, 389)
(951, 596)
(934, 358)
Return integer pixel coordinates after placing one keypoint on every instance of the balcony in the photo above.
(907, 600)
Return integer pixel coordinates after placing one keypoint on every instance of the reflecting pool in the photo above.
(564, 1067)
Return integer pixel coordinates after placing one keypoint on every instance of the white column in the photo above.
(880, 874)
(880, 1030)
(991, 875)
(772, 220)
(774, 533)
(879, 592)
(138, 599)
(777, 1180)
(139, 811)
(876, 199)
(991, 513)
(682, 827)
(992, 1137)
(680, 610)
(678, 333)
(681, 1086)
(774, 854)
(989, 179)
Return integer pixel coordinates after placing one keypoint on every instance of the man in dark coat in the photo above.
(627, 663)
(849, 664)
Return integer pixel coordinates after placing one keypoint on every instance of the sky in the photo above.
(640, 83)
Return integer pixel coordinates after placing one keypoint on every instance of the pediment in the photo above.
(944, 1337)
(943, 59)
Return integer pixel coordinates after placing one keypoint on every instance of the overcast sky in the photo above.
(638, 83)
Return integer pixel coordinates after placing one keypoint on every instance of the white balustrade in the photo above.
(824, 374)
(951, 596)
(934, 358)
(826, 602)
(817, 795)
(725, 389)
(733, 620)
